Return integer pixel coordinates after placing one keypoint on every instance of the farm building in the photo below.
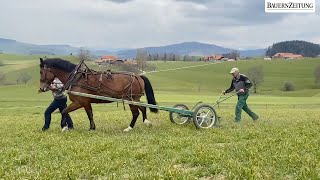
(215, 57)
(130, 62)
(287, 56)
(106, 60)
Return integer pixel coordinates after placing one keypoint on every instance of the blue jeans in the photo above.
(56, 103)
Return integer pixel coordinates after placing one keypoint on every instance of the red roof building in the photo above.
(215, 57)
(288, 56)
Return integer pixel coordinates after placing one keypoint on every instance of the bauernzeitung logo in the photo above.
(290, 6)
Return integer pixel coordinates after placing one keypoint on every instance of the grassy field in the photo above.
(199, 77)
(283, 144)
(215, 78)
(14, 65)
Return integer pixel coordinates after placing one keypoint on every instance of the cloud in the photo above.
(199, 1)
(140, 23)
(119, 1)
(234, 12)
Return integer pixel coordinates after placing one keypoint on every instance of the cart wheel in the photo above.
(205, 116)
(178, 118)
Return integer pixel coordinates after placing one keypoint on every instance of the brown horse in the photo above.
(121, 85)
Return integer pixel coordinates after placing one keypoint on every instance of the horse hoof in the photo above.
(148, 123)
(92, 129)
(128, 129)
(64, 128)
(44, 129)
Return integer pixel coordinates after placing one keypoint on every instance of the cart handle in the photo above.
(218, 100)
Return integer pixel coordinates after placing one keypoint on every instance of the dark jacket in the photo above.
(243, 82)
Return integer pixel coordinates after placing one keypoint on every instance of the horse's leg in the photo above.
(72, 107)
(144, 116)
(88, 109)
(135, 114)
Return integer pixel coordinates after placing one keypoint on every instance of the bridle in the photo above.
(45, 80)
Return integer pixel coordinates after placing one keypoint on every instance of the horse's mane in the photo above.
(59, 64)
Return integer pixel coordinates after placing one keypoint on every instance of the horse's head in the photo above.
(46, 76)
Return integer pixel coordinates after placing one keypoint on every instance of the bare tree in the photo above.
(2, 78)
(256, 75)
(127, 67)
(23, 78)
(84, 54)
(150, 57)
(165, 57)
(142, 57)
(317, 75)
(235, 55)
(169, 57)
(177, 57)
(187, 58)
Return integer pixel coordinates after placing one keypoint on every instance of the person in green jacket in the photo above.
(241, 84)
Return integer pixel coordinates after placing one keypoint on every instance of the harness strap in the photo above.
(78, 72)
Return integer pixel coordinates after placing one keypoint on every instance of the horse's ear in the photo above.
(41, 61)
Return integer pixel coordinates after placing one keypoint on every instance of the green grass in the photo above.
(19, 57)
(215, 77)
(202, 77)
(14, 65)
(283, 144)
(160, 65)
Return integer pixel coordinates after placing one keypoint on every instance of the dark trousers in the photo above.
(242, 105)
(56, 103)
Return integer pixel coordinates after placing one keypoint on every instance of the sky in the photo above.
(238, 24)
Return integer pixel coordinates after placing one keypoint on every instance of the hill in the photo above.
(283, 144)
(192, 49)
(185, 48)
(304, 48)
(253, 53)
(201, 77)
(14, 47)
(213, 78)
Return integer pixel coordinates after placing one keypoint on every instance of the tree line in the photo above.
(304, 48)
(177, 57)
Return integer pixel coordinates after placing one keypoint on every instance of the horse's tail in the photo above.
(149, 93)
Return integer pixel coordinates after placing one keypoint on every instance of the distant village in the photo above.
(111, 59)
